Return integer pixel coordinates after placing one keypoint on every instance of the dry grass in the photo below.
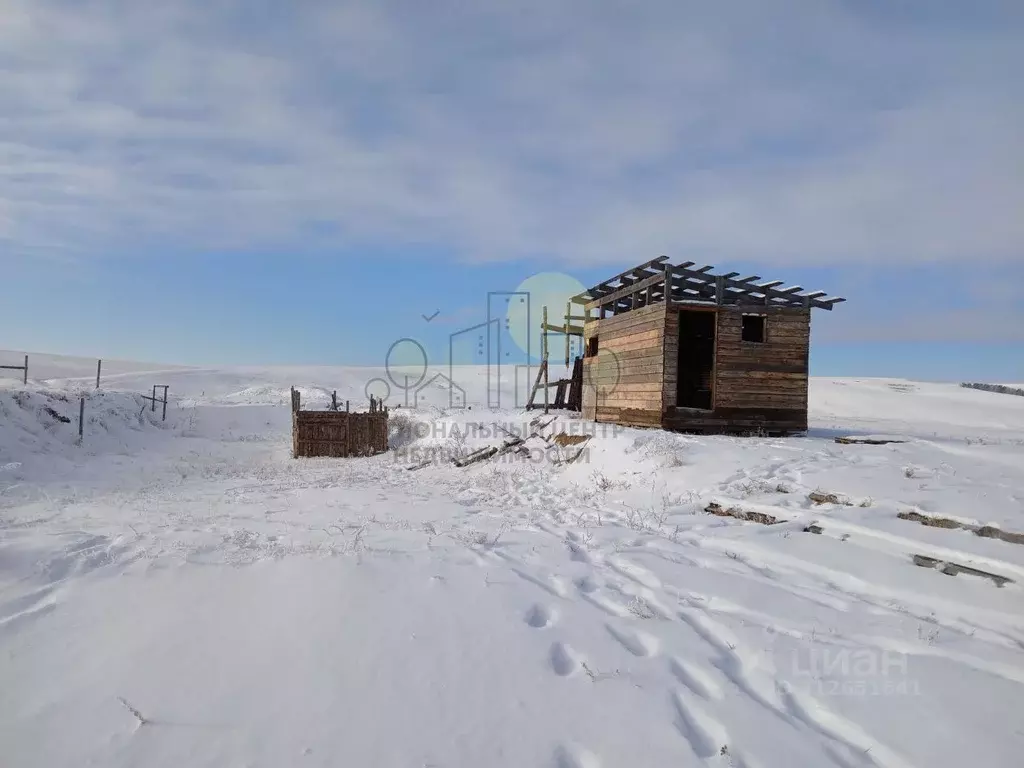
(985, 531)
(933, 522)
(991, 532)
(563, 439)
(740, 514)
(821, 497)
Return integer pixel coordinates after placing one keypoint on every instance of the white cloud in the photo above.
(604, 131)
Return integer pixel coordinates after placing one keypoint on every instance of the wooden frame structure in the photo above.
(568, 392)
(680, 347)
(24, 370)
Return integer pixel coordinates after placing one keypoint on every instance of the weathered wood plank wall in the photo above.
(764, 380)
(339, 434)
(624, 383)
(757, 385)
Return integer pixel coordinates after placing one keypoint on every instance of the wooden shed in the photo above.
(680, 347)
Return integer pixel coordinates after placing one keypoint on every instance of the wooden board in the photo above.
(339, 434)
(638, 417)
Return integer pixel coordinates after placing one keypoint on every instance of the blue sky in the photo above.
(262, 182)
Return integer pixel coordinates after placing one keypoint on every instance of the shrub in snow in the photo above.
(1000, 388)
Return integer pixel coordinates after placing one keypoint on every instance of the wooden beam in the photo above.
(574, 330)
(604, 286)
(626, 291)
(639, 287)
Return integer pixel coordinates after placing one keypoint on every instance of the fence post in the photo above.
(153, 401)
(164, 417)
(99, 365)
(334, 400)
(348, 432)
(24, 379)
(81, 420)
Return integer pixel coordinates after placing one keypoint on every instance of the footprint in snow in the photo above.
(636, 641)
(696, 679)
(575, 757)
(706, 735)
(579, 553)
(564, 660)
(540, 616)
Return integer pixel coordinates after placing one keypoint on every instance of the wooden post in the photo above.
(536, 384)
(164, 417)
(334, 400)
(544, 347)
(24, 379)
(153, 401)
(99, 365)
(81, 419)
(568, 312)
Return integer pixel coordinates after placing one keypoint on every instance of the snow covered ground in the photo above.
(184, 593)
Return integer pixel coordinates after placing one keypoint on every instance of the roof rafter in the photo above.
(645, 284)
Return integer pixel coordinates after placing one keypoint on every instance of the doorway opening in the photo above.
(696, 359)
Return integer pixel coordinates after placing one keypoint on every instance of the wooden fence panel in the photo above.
(339, 434)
